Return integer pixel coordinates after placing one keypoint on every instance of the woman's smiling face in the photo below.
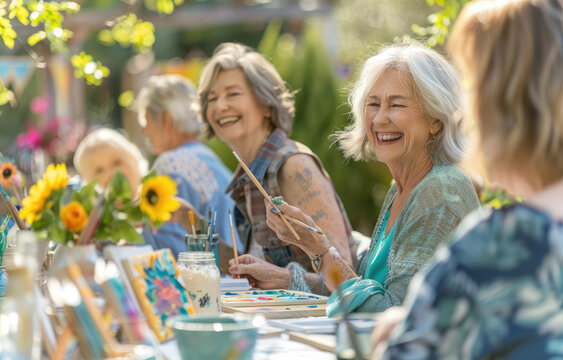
(233, 110)
(396, 125)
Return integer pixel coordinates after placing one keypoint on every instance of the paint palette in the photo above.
(279, 311)
(270, 298)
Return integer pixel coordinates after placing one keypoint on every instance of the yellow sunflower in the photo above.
(34, 202)
(7, 171)
(156, 198)
(56, 177)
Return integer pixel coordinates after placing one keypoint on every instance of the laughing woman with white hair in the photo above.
(405, 107)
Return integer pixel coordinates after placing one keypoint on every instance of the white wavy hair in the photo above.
(436, 87)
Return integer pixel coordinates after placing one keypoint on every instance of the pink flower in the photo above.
(40, 105)
(31, 139)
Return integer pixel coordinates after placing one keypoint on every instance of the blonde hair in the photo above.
(175, 94)
(435, 85)
(112, 139)
(511, 54)
(262, 76)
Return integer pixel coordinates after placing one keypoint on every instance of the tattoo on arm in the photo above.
(304, 179)
(319, 214)
(308, 197)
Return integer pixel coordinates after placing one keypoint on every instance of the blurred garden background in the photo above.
(68, 67)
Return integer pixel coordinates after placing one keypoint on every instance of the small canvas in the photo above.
(117, 254)
(154, 278)
(270, 297)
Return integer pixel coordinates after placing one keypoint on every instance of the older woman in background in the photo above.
(246, 104)
(102, 152)
(169, 115)
(405, 108)
(497, 292)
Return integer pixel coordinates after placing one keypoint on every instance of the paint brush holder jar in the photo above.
(200, 242)
(200, 276)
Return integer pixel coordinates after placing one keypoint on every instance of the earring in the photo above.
(430, 141)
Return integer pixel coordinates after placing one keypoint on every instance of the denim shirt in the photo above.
(201, 179)
(250, 213)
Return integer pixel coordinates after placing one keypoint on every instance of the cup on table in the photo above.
(216, 337)
(197, 243)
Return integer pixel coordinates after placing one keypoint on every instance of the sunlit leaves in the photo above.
(162, 6)
(436, 33)
(50, 15)
(6, 95)
(19, 11)
(7, 33)
(126, 98)
(129, 31)
(85, 67)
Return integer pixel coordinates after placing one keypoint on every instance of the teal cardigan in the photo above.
(433, 210)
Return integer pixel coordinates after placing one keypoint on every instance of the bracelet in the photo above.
(297, 282)
(316, 260)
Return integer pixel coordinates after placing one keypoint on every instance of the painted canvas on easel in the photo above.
(154, 277)
(270, 297)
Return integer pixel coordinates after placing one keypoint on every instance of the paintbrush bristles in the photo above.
(192, 221)
(233, 237)
(335, 276)
(264, 193)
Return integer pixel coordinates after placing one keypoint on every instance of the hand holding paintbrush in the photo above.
(284, 218)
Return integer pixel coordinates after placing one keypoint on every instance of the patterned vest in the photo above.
(250, 212)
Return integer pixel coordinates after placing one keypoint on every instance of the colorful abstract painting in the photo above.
(270, 297)
(154, 278)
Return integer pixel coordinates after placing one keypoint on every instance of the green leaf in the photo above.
(126, 98)
(47, 219)
(123, 229)
(149, 175)
(35, 38)
(120, 188)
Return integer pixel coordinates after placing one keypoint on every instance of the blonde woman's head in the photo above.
(511, 56)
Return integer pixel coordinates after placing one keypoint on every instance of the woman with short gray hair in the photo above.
(405, 105)
(169, 115)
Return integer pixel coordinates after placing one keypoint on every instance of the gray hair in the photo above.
(175, 94)
(262, 76)
(113, 139)
(435, 85)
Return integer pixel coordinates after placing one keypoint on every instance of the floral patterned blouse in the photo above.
(497, 293)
